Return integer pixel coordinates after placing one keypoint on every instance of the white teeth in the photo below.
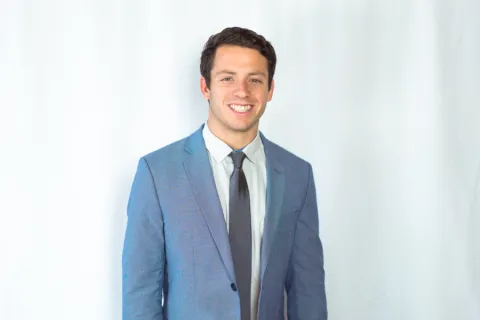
(240, 108)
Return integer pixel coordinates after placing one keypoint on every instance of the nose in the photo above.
(242, 90)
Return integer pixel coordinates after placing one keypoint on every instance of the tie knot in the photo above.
(237, 157)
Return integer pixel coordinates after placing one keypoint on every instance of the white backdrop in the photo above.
(382, 97)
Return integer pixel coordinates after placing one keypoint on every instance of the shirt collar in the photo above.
(219, 150)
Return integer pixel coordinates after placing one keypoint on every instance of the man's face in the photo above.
(238, 90)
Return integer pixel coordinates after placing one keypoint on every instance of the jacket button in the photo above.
(233, 286)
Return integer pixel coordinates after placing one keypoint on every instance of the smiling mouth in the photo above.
(240, 108)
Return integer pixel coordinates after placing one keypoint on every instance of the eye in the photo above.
(226, 79)
(257, 81)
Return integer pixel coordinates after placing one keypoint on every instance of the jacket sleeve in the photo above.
(305, 285)
(143, 257)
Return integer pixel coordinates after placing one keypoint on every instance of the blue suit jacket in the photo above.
(176, 241)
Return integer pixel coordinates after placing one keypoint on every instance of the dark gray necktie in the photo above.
(240, 232)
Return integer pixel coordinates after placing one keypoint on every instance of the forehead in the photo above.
(236, 57)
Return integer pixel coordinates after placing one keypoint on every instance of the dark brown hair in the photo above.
(238, 37)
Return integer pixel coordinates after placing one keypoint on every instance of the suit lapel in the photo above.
(275, 196)
(199, 173)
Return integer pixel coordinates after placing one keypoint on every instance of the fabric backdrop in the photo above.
(382, 97)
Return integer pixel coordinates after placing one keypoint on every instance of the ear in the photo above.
(204, 88)
(270, 92)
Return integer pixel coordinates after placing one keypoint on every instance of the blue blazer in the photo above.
(176, 241)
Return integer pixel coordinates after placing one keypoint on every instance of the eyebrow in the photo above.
(258, 73)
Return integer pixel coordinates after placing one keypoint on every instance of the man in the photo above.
(223, 222)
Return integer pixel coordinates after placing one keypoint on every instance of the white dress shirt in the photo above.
(254, 167)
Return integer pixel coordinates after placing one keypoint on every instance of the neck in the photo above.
(234, 139)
